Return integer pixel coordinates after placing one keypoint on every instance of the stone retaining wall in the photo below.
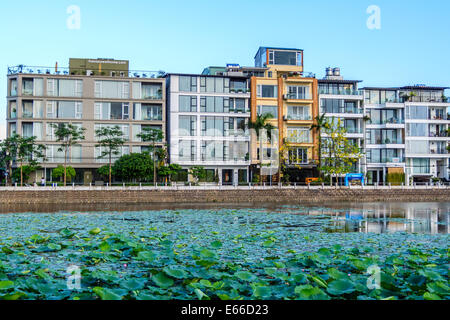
(10, 197)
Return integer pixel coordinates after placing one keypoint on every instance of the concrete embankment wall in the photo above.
(229, 196)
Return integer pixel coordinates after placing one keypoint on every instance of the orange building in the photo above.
(291, 96)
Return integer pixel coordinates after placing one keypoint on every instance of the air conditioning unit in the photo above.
(285, 96)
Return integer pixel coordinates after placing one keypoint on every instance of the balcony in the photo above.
(343, 110)
(425, 99)
(293, 117)
(442, 134)
(344, 92)
(437, 151)
(386, 141)
(290, 96)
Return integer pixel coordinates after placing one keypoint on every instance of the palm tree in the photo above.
(261, 123)
(320, 123)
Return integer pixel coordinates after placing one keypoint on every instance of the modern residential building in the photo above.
(91, 93)
(341, 99)
(290, 95)
(407, 133)
(208, 118)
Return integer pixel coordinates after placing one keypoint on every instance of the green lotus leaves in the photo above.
(339, 287)
(204, 254)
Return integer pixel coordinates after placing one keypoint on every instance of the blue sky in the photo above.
(412, 46)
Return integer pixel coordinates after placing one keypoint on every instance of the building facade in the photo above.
(105, 93)
(341, 99)
(407, 133)
(291, 97)
(208, 118)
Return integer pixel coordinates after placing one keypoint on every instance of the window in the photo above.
(287, 58)
(238, 85)
(214, 104)
(112, 89)
(214, 126)
(267, 91)
(12, 128)
(187, 125)
(75, 152)
(332, 105)
(298, 156)
(152, 112)
(125, 128)
(187, 84)
(147, 91)
(273, 110)
(238, 126)
(417, 112)
(420, 166)
(237, 105)
(12, 109)
(139, 128)
(187, 104)
(298, 113)
(214, 84)
(32, 129)
(99, 150)
(212, 151)
(64, 110)
(187, 150)
(299, 92)
(13, 87)
(54, 155)
(417, 129)
(64, 88)
(298, 135)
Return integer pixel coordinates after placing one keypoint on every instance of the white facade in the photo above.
(208, 124)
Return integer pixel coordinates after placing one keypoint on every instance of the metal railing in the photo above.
(23, 69)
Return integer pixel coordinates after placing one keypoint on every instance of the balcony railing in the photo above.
(442, 134)
(386, 141)
(354, 130)
(297, 117)
(343, 92)
(438, 151)
(293, 96)
(342, 110)
(425, 99)
(22, 69)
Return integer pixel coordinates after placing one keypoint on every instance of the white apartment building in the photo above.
(208, 117)
(407, 132)
(341, 99)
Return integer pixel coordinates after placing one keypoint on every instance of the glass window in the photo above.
(288, 58)
(298, 135)
(65, 88)
(267, 91)
(112, 89)
(187, 125)
(187, 104)
(273, 110)
(13, 87)
(298, 113)
(187, 84)
(418, 112)
(187, 150)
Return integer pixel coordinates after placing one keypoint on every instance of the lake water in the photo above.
(410, 217)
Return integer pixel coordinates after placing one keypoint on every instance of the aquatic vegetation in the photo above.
(213, 254)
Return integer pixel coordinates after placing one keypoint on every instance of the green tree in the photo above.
(23, 150)
(134, 167)
(319, 126)
(341, 154)
(26, 171)
(168, 171)
(110, 140)
(152, 135)
(68, 135)
(60, 171)
(198, 172)
(260, 124)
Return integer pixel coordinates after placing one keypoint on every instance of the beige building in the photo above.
(106, 94)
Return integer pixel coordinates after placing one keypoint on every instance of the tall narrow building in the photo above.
(290, 96)
(341, 99)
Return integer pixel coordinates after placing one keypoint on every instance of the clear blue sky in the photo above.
(412, 46)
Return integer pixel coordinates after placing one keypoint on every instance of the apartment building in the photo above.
(290, 95)
(91, 93)
(407, 133)
(341, 99)
(208, 116)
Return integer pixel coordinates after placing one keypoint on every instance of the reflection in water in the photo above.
(419, 217)
(431, 218)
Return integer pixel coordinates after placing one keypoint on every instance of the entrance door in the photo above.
(87, 177)
(227, 177)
